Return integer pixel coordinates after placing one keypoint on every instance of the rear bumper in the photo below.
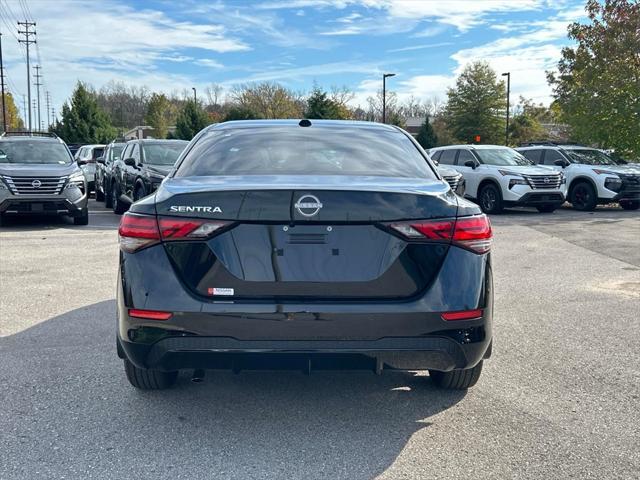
(442, 353)
(406, 335)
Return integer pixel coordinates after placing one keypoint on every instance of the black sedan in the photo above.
(140, 170)
(314, 244)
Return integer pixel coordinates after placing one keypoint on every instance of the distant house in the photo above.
(413, 125)
(142, 131)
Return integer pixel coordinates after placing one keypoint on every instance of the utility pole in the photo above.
(25, 112)
(47, 95)
(27, 41)
(38, 84)
(53, 115)
(506, 132)
(195, 98)
(4, 108)
(35, 110)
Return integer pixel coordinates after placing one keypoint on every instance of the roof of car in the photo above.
(297, 122)
(475, 147)
(157, 140)
(565, 146)
(29, 138)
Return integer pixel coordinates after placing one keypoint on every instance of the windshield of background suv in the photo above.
(589, 157)
(290, 150)
(502, 157)
(163, 153)
(116, 151)
(36, 152)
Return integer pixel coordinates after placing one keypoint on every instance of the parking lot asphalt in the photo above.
(558, 399)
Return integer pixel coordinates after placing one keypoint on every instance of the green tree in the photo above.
(477, 105)
(82, 120)
(427, 136)
(14, 122)
(597, 85)
(159, 114)
(191, 120)
(526, 123)
(238, 112)
(268, 100)
(320, 106)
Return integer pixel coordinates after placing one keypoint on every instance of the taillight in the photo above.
(473, 232)
(139, 231)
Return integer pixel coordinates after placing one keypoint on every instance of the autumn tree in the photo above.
(321, 106)
(159, 114)
(477, 105)
(14, 122)
(268, 100)
(597, 85)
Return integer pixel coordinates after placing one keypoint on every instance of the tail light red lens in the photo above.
(462, 315)
(141, 231)
(149, 314)
(473, 232)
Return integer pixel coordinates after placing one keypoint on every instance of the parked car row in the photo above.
(541, 176)
(130, 171)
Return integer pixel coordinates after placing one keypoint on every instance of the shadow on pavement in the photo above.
(69, 411)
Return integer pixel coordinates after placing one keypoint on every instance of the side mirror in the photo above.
(470, 164)
(130, 162)
(561, 163)
(81, 162)
(100, 160)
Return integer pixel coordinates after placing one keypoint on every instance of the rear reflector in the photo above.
(139, 231)
(149, 314)
(462, 315)
(473, 232)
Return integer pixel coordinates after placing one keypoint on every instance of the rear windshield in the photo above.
(116, 151)
(502, 157)
(305, 151)
(36, 152)
(163, 153)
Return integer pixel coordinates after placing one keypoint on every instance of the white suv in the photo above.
(592, 176)
(498, 177)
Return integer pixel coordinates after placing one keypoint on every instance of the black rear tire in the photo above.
(82, 219)
(549, 208)
(149, 379)
(99, 195)
(117, 206)
(457, 379)
(490, 199)
(630, 204)
(140, 192)
(107, 197)
(583, 197)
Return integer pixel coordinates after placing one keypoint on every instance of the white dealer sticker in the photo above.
(220, 291)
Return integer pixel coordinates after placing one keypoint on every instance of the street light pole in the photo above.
(195, 99)
(506, 132)
(384, 95)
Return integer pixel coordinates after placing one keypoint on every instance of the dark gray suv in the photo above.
(39, 176)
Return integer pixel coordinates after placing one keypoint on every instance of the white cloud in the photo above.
(420, 47)
(208, 62)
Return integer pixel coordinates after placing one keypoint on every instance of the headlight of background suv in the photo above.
(76, 180)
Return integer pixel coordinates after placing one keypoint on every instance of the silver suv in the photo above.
(38, 176)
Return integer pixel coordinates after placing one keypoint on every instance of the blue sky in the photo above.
(175, 45)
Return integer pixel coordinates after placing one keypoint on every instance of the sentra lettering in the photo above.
(191, 209)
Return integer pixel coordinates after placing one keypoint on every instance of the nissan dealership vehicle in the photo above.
(454, 179)
(320, 243)
(104, 171)
(86, 156)
(140, 170)
(592, 177)
(497, 177)
(38, 176)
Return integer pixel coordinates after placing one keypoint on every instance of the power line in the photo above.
(28, 41)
